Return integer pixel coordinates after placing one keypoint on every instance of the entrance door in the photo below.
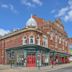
(31, 61)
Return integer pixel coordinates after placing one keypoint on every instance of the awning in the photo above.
(29, 46)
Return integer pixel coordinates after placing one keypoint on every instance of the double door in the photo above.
(31, 60)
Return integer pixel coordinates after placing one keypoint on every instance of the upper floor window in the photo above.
(63, 43)
(45, 41)
(66, 43)
(38, 40)
(24, 40)
(56, 38)
(56, 45)
(60, 40)
(51, 36)
(31, 40)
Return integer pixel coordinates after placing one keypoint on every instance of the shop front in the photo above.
(30, 56)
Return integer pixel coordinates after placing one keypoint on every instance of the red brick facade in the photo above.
(50, 29)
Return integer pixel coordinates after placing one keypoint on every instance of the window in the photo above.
(38, 40)
(45, 41)
(56, 45)
(24, 40)
(63, 44)
(66, 43)
(60, 40)
(11, 54)
(56, 37)
(31, 40)
(51, 36)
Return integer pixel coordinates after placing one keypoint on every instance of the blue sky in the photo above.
(15, 13)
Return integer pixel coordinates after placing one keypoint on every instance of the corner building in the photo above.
(38, 44)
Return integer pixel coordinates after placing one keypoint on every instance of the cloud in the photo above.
(10, 7)
(37, 2)
(27, 3)
(4, 6)
(53, 11)
(62, 11)
(66, 12)
(31, 3)
(3, 31)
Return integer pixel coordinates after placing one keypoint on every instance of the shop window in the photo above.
(24, 40)
(45, 41)
(31, 40)
(10, 54)
(38, 40)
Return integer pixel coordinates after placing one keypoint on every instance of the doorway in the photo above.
(31, 60)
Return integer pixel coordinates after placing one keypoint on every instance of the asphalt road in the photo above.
(68, 69)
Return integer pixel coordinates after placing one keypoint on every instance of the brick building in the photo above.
(70, 48)
(39, 43)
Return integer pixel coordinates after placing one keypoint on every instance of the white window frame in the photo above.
(45, 41)
(60, 39)
(33, 39)
(24, 40)
(38, 40)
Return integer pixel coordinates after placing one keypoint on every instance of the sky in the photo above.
(15, 13)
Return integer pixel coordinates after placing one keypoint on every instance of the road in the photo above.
(67, 69)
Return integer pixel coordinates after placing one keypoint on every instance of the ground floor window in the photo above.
(29, 57)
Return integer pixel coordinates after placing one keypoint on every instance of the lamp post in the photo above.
(12, 57)
(52, 59)
(38, 59)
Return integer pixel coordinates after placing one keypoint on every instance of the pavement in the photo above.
(67, 69)
(8, 68)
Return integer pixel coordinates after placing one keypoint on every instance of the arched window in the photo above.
(24, 40)
(31, 40)
(38, 40)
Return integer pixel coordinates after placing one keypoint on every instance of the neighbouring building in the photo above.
(70, 48)
(38, 44)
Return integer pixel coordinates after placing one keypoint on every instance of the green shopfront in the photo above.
(28, 56)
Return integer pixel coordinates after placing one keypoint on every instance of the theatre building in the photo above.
(38, 44)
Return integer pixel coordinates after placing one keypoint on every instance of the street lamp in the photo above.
(38, 59)
(53, 58)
